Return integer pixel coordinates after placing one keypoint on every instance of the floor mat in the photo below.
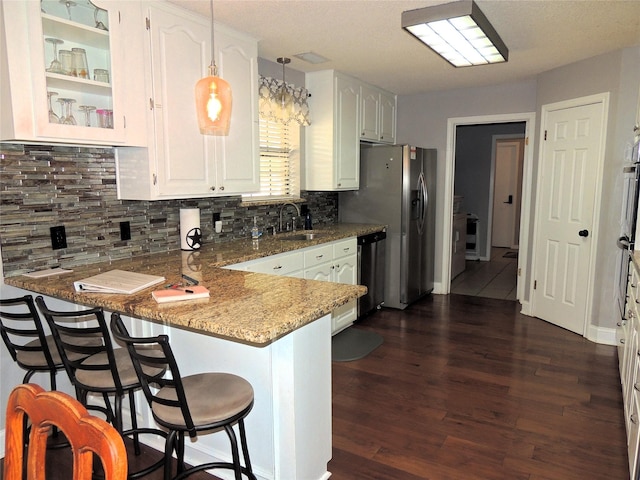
(353, 344)
(511, 255)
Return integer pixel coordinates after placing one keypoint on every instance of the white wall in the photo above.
(422, 121)
(618, 73)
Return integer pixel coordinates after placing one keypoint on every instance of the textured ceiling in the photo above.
(364, 38)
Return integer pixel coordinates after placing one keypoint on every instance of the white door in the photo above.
(569, 180)
(506, 194)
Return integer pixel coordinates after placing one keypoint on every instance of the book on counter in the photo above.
(167, 295)
(117, 281)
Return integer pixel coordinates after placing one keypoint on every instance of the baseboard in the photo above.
(601, 335)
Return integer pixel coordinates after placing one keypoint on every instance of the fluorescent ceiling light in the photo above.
(459, 32)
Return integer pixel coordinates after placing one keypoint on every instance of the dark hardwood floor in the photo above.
(466, 388)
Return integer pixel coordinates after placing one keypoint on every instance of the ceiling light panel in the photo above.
(458, 31)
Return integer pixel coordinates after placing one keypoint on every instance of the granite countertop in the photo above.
(245, 307)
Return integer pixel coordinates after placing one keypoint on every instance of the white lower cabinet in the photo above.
(178, 161)
(330, 262)
(629, 362)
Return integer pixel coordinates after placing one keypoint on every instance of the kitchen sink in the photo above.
(303, 236)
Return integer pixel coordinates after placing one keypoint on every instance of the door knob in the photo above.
(583, 233)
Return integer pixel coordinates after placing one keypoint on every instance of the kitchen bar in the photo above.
(274, 331)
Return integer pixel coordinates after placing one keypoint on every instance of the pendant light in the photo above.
(284, 97)
(213, 98)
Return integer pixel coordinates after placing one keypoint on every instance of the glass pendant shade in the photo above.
(213, 105)
(286, 104)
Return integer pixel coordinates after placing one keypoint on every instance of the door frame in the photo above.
(529, 119)
(492, 180)
(602, 98)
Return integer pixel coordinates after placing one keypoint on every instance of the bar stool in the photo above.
(100, 369)
(25, 338)
(191, 404)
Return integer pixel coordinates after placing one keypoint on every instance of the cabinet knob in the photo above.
(633, 419)
(213, 188)
(222, 188)
(622, 341)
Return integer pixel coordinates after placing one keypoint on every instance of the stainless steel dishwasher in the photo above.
(371, 256)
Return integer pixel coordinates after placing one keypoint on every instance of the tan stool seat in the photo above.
(103, 379)
(212, 398)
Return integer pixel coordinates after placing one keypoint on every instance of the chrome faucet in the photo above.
(294, 218)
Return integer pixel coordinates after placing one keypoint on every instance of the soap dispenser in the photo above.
(255, 231)
(308, 225)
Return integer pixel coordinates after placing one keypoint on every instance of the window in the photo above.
(279, 160)
(279, 142)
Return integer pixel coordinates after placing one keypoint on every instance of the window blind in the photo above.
(278, 160)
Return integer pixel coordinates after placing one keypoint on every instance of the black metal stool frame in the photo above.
(65, 328)
(139, 351)
(35, 332)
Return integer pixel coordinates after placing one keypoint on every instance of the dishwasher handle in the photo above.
(371, 238)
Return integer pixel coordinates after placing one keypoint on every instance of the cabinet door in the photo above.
(347, 133)
(322, 272)
(369, 113)
(237, 155)
(179, 57)
(387, 126)
(30, 27)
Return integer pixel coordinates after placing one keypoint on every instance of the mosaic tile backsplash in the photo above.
(48, 186)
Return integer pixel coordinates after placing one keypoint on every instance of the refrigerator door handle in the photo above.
(422, 192)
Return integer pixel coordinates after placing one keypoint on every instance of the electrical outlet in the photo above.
(125, 231)
(58, 237)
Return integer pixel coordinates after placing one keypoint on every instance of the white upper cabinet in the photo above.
(344, 111)
(377, 115)
(388, 109)
(32, 33)
(332, 152)
(180, 162)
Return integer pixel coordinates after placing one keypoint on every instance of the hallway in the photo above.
(494, 279)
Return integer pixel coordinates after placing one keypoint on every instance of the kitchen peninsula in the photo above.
(274, 331)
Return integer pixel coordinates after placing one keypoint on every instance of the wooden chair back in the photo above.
(87, 435)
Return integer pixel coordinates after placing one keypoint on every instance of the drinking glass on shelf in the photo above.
(53, 118)
(68, 4)
(80, 68)
(67, 108)
(101, 75)
(87, 109)
(99, 24)
(56, 66)
(66, 60)
(105, 118)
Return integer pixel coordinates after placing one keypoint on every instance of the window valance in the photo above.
(270, 108)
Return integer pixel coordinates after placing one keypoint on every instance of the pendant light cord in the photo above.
(212, 67)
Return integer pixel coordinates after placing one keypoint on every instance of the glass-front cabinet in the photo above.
(62, 72)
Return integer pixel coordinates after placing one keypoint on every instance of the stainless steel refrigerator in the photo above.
(397, 188)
